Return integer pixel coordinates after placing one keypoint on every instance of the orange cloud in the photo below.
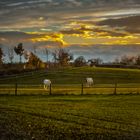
(56, 37)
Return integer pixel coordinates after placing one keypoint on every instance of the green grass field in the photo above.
(95, 117)
(71, 117)
(76, 76)
(69, 80)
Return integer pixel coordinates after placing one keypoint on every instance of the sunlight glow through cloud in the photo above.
(66, 23)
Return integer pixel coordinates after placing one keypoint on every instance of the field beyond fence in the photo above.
(67, 89)
(72, 81)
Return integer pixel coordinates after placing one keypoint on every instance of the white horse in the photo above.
(47, 83)
(89, 82)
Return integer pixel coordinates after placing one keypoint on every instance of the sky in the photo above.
(107, 29)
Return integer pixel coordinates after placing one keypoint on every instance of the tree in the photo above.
(34, 61)
(1, 56)
(138, 60)
(116, 61)
(127, 60)
(26, 55)
(35, 49)
(94, 62)
(11, 54)
(80, 61)
(47, 54)
(19, 50)
(62, 56)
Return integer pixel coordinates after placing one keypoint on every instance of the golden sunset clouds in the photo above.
(72, 24)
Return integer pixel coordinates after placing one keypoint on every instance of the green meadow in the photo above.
(76, 76)
(98, 114)
(90, 117)
(69, 80)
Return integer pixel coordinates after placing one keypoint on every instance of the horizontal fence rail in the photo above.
(64, 89)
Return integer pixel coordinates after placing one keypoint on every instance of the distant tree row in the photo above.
(128, 60)
(61, 57)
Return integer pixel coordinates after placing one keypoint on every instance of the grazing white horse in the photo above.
(47, 83)
(89, 82)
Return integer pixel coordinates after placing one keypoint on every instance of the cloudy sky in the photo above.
(93, 28)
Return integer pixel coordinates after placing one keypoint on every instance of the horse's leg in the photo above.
(89, 84)
(45, 87)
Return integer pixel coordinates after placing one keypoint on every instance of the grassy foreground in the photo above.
(70, 117)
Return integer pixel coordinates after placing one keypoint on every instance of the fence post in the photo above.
(16, 89)
(82, 86)
(50, 89)
(115, 90)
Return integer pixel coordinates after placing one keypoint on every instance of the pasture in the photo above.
(97, 117)
(40, 116)
(69, 81)
(76, 76)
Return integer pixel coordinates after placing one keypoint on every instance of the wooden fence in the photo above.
(77, 89)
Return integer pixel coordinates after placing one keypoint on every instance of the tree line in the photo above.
(61, 57)
(31, 59)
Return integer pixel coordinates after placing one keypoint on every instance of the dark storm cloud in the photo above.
(14, 13)
(60, 5)
(72, 31)
(63, 4)
(130, 23)
(17, 12)
(17, 35)
(12, 3)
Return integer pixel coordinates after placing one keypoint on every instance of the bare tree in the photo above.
(1, 56)
(47, 54)
(116, 61)
(127, 60)
(54, 54)
(35, 49)
(11, 54)
(138, 60)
